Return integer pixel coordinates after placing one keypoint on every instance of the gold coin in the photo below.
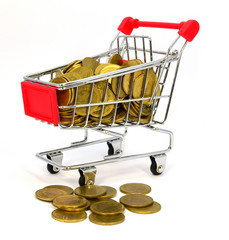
(84, 208)
(106, 119)
(59, 79)
(79, 73)
(90, 191)
(150, 85)
(139, 84)
(74, 66)
(91, 63)
(63, 96)
(120, 115)
(77, 121)
(107, 208)
(132, 111)
(79, 209)
(72, 76)
(136, 200)
(110, 192)
(127, 80)
(70, 65)
(48, 194)
(59, 72)
(65, 216)
(132, 62)
(136, 188)
(116, 59)
(95, 200)
(109, 68)
(101, 84)
(155, 207)
(67, 115)
(67, 189)
(83, 97)
(100, 67)
(106, 220)
(115, 84)
(68, 118)
(89, 123)
(66, 111)
(72, 96)
(146, 109)
(110, 97)
(69, 202)
(143, 120)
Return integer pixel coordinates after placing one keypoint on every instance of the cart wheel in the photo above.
(110, 149)
(154, 168)
(52, 169)
(82, 180)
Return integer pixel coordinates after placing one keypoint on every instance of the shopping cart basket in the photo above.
(41, 100)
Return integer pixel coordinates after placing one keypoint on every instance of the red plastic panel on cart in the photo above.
(40, 102)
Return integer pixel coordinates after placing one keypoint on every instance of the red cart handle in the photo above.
(187, 30)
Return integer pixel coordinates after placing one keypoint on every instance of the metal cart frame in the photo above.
(162, 66)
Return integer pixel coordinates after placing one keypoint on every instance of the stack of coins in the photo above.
(70, 208)
(136, 199)
(71, 205)
(94, 192)
(105, 211)
(104, 91)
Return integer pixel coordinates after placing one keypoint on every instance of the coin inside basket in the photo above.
(121, 91)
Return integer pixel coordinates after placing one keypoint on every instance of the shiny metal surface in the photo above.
(128, 47)
(107, 159)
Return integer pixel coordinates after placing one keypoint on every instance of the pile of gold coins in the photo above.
(89, 67)
(71, 205)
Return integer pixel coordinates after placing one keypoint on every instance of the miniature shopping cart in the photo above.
(40, 97)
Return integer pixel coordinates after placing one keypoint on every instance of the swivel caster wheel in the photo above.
(81, 179)
(55, 157)
(51, 168)
(110, 149)
(158, 164)
(87, 175)
(114, 147)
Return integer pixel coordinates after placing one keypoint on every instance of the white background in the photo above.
(193, 191)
